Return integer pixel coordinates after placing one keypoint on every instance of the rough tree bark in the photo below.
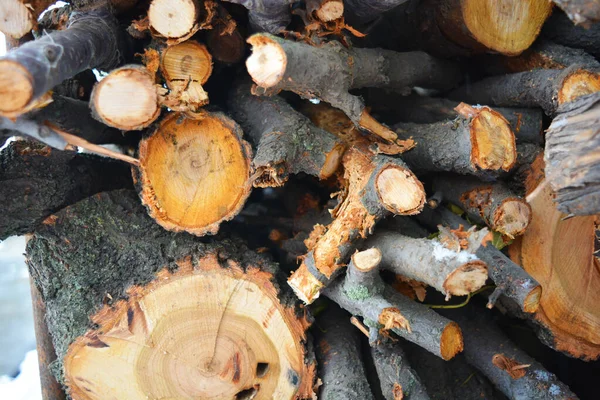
(481, 143)
(338, 351)
(194, 172)
(122, 328)
(540, 88)
(267, 15)
(572, 163)
(37, 181)
(510, 369)
(510, 279)
(560, 253)
(362, 292)
(92, 40)
(330, 71)
(490, 203)
(286, 142)
(360, 12)
(581, 12)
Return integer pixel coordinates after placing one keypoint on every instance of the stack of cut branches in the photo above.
(280, 199)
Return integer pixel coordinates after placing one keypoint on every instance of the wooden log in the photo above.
(19, 17)
(481, 143)
(29, 71)
(572, 167)
(525, 123)
(376, 186)
(126, 99)
(491, 203)
(384, 310)
(507, 26)
(510, 278)
(194, 172)
(178, 20)
(509, 368)
(325, 10)
(37, 181)
(581, 12)
(51, 389)
(560, 253)
(540, 88)
(186, 67)
(338, 351)
(560, 29)
(450, 269)
(277, 64)
(224, 40)
(286, 142)
(396, 376)
(123, 329)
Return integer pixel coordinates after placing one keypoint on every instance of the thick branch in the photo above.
(286, 142)
(513, 280)
(561, 29)
(572, 163)
(338, 352)
(491, 203)
(539, 88)
(267, 15)
(37, 181)
(27, 72)
(19, 17)
(359, 12)
(330, 71)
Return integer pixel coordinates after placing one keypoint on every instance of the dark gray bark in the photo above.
(338, 351)
(560, 29)
(539, 88)
(92, 40)
(393, 370)
(581, 12)
(360, 12)
(38, 181)
(572, 166)
(105, 244)
(267, 15)
(509, 277)
(285, 141)
(484, 340)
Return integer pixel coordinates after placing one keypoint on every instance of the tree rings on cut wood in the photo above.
(561, 255)
(199, 332)
(16, 87)
(16, 19)
(173, 19)
(126, 99)
(507, 26)
(194, 172)
(188, 61)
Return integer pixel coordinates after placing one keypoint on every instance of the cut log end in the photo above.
(195, 172)
(173, 18)
(451, 342)
(400, 191)
(508, 27)
(16, 87)
(126, 99)
(186, 62)
(227, 48)
(578, 84)
(268, 61)
(229, 335)
(466, 279)
(367, 260)
(493, 142)
(16, 19)
(330, 10)
(532, 300)
(305, 285)
(512, 217)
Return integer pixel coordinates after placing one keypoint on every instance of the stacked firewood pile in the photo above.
(402, 175)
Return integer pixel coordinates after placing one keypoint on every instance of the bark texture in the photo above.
(286, 142)
(561, 29)
(509, 277)
(540, 88)
(396, 374)
(338, 352)
(484, 342)
(581, 12)
(92, 40)
(38, 181)
(572, 166)
(359, 12)
(267, 15)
